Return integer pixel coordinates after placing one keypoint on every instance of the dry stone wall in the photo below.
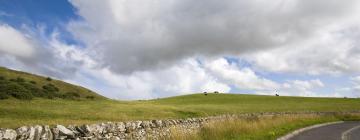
(134, 130)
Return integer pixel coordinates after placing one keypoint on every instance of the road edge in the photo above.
(296, 132)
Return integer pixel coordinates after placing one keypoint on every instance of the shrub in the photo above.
(90, 97)
(18, 91)
(20, 80)
(48, 79)
(71, 95)
(50, 88)
(33, 82)
(3, 96)
(2, 78)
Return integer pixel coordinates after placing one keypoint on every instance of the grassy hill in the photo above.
(26, 86)
(14, 113)
(60, 108)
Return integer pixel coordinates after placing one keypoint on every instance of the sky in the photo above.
(141, 49)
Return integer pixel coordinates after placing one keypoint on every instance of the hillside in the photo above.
(14, 113)
(28, 99)
(26, 86)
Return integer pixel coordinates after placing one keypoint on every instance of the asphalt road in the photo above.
(340, 131)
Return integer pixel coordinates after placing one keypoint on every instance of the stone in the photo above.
(159, 123)
(7, 134)
(38, 132)
(46, 133)
(56, 133)
(145, 124)
(82, 131)
(95, 129)
(25, 132)
(130, 126)
(138, 125)
(120, 126)
(73, 129)
(63, 131)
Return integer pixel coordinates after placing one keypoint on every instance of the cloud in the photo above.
(244, 78)
(141, 35)
(332, 52)
(77, 65)
(25, 49)
(185, 77)
(138, 49)
(15, 43)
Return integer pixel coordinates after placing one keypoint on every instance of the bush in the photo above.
(18, 91)
(2, 78)
(90, 97)
(50, 88)
(3, 96)
(20, 80)
(71, 95)
(33, 82)
(48, 79)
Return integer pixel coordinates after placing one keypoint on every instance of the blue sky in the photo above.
(141, 49)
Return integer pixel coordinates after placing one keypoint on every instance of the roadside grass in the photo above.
(15, 113)
(254, 128)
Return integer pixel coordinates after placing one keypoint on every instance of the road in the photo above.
(340, 131)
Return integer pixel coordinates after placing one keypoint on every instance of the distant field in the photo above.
(14, 113)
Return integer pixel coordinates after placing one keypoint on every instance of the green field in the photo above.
(14, 113)
(58, 109)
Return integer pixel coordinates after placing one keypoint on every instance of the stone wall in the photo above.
(137, 130)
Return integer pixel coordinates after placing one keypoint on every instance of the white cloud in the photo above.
(184, 78)
(138, 49)
(142, 35)
(241, 78)
(14, 43)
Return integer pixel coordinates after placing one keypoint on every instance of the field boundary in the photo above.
(139, 129)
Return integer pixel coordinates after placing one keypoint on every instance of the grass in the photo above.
(15, 113)
(254, 128)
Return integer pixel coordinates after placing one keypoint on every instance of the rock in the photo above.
(46, 133)
(138, 124)
(63, 131)
(145, 124)
(73, 129)
(25, 132)
(7, 134)
(130, 126)
(82, 131)
(38, 132)
(95, 129)
(120, 126)
(56, 133)
(159, 123)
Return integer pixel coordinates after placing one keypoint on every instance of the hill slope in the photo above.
(26, 86)
(46, 101)
(14, 113)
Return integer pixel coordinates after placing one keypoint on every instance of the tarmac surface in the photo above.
(339, 131)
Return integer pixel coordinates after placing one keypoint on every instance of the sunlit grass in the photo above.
(14, 113)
